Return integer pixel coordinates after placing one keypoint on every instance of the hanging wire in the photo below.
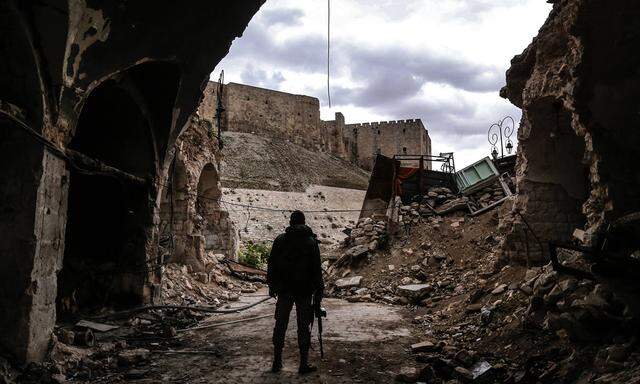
(329, 51)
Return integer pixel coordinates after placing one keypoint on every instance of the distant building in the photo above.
(297, 118)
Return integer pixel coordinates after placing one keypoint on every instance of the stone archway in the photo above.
(109, 218)
(215, 225)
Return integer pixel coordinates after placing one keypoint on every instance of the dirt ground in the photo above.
(363, 343)
(256, 162)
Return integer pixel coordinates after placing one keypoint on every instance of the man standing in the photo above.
(295, 277)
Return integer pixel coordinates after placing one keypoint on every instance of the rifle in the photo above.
(319, 314)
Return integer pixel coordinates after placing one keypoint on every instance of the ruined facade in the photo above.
(192, 220)
(92, 99)
(297, 118)
(578, 85)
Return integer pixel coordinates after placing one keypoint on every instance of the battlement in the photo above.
(389, 124)
(296, 118)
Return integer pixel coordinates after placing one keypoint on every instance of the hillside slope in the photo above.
(256, 162)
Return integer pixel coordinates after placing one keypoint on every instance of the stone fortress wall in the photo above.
(389, 138)
(297, 118)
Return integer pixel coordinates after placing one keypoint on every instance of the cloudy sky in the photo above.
(439, 60)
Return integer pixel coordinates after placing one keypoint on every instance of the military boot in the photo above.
(304, 364)
(277, 361)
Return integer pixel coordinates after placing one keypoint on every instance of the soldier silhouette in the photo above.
(295, 277)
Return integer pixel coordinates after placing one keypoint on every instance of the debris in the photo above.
(100, 327)
(499, 289)
(131, 357)
(424, 346)
(480, 368)
(415, 292)
(348, 282)
(407, 375)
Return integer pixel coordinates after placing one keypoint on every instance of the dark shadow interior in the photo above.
(108, 216)
(208, 205)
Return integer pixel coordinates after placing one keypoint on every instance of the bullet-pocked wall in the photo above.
(579, 87)
(91, 109)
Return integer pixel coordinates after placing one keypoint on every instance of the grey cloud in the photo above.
(261, 78)
(389, 78)
(281, 16)
(474, 10)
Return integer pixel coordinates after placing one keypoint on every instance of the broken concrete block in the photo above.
(357, 251)
(459, 204)
(463, 373)
(424, 346)
(348, 282)
(132, 356)
(407, 375)
(415, 292)
(499, 289)
(580, 235)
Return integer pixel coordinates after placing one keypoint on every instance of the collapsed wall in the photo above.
(579, 86)
(92, 99)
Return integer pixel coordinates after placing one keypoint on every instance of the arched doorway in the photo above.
(109, 217)
(208, 208)
(174, 209)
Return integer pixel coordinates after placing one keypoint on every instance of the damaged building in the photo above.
(578, 88)
(93, 97)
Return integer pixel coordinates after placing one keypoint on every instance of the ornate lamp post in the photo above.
(501, 131)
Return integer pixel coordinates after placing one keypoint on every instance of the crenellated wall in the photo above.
(402, 137)
(297, 118)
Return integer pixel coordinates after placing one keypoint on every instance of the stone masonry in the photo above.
(578, 85)
(93, 96)
(190, 211)
(297, 118)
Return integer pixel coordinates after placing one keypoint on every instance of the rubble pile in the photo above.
(525, 326)
(363, 240)
(437, 201)
(483, 322)
(419, 269)
(119, 346)
(368, 232)
(487, 196)
(181, 285)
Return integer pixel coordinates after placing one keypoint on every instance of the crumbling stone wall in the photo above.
(64, 67)
(403, 137)
(191, 213)
(578, 86)
(333, 136)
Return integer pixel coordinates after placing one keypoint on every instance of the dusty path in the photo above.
(364, 343)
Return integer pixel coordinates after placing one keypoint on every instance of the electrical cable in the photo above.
(329, 51)
(207, 309)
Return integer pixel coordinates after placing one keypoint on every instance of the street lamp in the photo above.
(501, 131)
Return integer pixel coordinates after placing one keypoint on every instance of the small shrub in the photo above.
(255, 255)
